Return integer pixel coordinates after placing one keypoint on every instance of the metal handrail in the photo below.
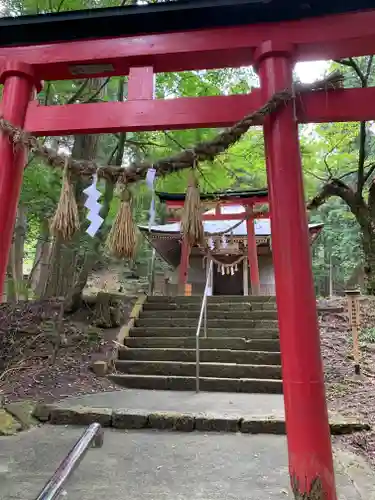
(202, 316)
(92, 437)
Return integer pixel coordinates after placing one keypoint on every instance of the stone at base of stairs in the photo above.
(176, 383)
(182, 411)
(187, 422)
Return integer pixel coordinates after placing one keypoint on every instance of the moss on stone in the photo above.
(23, 412)
(8, 424)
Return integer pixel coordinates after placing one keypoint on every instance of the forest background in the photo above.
(338, 165)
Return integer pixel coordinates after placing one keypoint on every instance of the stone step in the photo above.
(229, 299)
(222, 306)
(270, 345)
(190, 331)
(206, 355)
(211, 323)
(183, 369)
(219, 314)
(208, 384)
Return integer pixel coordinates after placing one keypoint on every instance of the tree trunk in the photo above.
(91, 257)
(368, 242)
(75, 300)
(19, 248)
(66, 258)
(365, 215)
(11, 295)
(15, 286)
(39, 273)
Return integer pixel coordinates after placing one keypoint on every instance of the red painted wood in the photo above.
(141, 84)
(250, 202)
(237, 217)
(307, 426)
(140, 115)
(329, 37)
(195, 112)
(252, 257)
(349, 105)
(18, 90)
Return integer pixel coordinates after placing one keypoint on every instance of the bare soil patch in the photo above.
(45, 357)
(347, 393)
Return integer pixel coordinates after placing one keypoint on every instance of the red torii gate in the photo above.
(187, 41)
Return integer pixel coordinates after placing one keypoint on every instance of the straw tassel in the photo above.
(122, 239)
(66, 219)
(191, 220)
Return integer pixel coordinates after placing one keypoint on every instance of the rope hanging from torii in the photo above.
(66, 222)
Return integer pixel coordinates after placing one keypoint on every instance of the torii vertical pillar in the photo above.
(19, 84)
(308, 433)
(252, 257)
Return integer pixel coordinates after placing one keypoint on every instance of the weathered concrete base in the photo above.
(139, 465)
(120, 418)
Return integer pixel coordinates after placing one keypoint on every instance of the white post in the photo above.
(210, 281)
(245, 277)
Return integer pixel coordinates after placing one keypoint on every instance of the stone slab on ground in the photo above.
(185, 402)
(133, 409)
(151, 465)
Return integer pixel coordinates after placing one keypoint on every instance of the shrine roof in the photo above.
(262, 226)
(220, 195)
(170, 16)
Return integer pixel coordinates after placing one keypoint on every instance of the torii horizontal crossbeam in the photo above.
(163, 17)
(328, 37)
(198, 112)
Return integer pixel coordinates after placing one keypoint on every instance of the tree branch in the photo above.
(112, 155)
(351, 63)
(371, 170)
(361, 157)
(78, 93)
(47, 93)
(60, 5)
(335, 187)
(368, 69)
(173, 139)
(371, 201)
(144, 143)
(95, 94)
(363, 77)
(313, 174)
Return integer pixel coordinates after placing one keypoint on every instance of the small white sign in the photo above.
(94, 207)
(150, 177)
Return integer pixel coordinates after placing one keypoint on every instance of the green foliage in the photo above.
(328, 150)
(368, 335)
(339, 243)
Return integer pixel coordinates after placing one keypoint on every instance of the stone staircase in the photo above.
(240, 353)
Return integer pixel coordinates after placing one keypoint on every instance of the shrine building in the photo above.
(237, 239)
